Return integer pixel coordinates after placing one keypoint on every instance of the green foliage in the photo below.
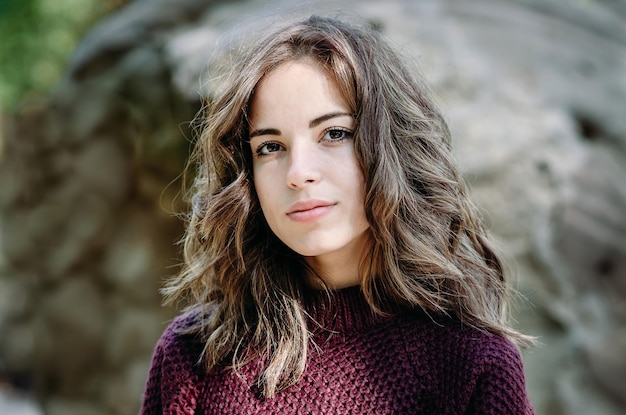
(36, 40)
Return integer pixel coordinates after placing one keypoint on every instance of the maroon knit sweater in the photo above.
(402, 363)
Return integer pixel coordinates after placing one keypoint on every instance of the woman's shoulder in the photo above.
(447, 356)
(175, 377)
(184, 333)
(449, 335)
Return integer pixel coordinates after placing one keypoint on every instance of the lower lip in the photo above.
(311, 214)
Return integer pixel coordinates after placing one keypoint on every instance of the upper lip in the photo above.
(303, 205)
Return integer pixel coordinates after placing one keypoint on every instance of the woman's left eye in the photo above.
(335, 135)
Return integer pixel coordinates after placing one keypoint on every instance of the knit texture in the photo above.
(402, 363)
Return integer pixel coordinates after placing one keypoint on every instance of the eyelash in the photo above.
(347, 134)
(259, 150)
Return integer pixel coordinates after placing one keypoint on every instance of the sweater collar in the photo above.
(343, 311)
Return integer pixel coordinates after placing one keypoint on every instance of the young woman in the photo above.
(332, 259)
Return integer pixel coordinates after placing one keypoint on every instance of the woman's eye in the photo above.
(267, 148)
(335, 135)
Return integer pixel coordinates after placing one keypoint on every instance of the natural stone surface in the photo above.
(17, 405)
(534, 91)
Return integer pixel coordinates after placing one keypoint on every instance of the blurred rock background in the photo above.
(535, 93)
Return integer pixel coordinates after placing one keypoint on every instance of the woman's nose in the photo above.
(303, 167)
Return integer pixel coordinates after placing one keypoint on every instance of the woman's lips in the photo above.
(309, 210)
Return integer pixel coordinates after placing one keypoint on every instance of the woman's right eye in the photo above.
(267, 148)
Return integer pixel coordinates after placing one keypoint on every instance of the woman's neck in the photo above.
(340, 269)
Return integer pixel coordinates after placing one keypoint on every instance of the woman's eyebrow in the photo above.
(264, 131)
(312, 124)
(317, 121)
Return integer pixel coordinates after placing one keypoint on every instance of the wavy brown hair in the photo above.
(428, 246)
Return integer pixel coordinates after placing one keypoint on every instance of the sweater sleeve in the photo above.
(173, 383)
(501, 387)
(151, 400)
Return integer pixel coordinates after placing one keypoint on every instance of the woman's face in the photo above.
(305, 170)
